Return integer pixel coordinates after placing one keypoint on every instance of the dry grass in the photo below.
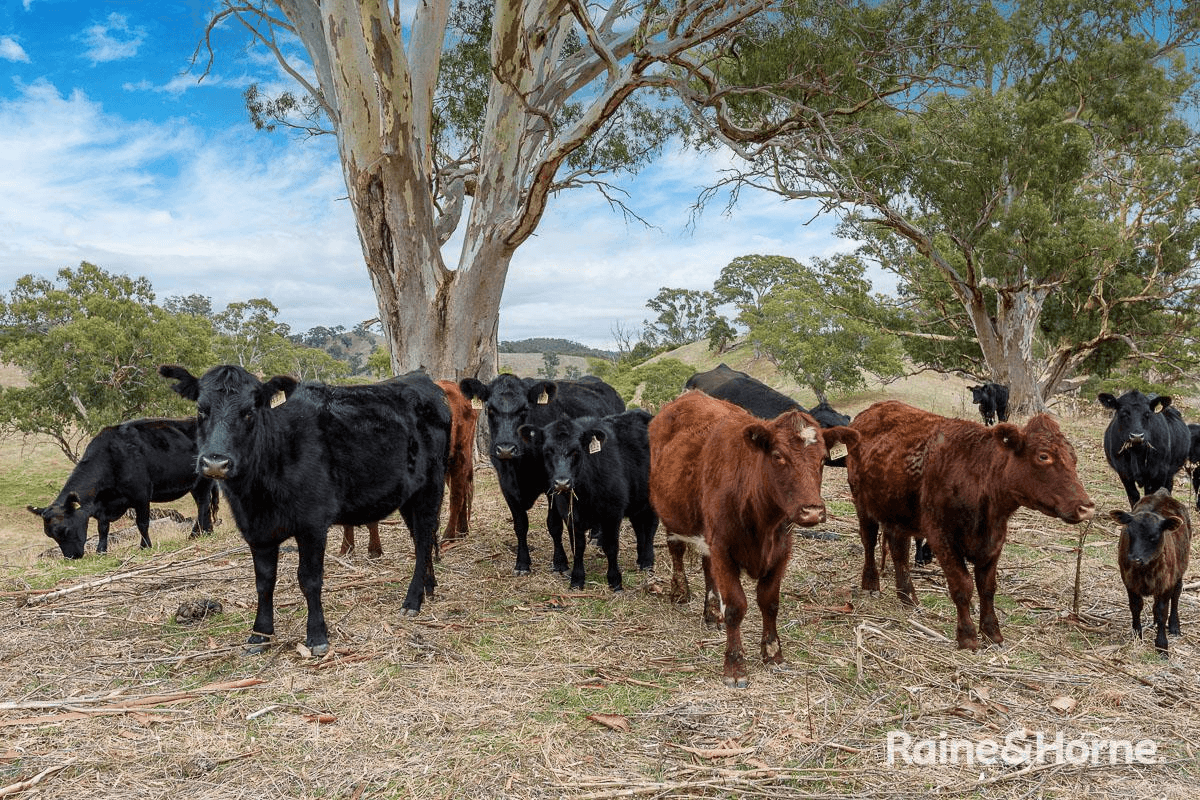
(519, 687)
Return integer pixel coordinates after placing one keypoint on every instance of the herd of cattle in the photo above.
(727, 467)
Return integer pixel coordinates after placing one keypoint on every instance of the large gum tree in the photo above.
(466, 117)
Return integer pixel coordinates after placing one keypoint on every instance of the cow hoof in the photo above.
(736, 682)
(319, 650)
(520, 571)
(409, 612)
(254, 648)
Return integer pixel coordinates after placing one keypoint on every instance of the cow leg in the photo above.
(347, 540)
(958, 581)
(922, 553)
(421, 516)
(311, 574)
(609, 535)
(768, 603)
(101, 534)
(1131, 490)
(1173, 620)
(1135, 610)
(714, 614)
(374, 548)
(679, 592)
(897, 540)
(266, 566)
(520, 518)
(985, 583)
(725, 578)
(462, 487)
(141, 515)
(1161, 604)
(644, 525)
(577, 536)
(868, 532)
(203, 497)
(554, 524)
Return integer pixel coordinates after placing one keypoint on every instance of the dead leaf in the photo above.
(320, 719)
(614, 721)
(1064, 704)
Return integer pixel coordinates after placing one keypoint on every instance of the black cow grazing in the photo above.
(326, 455)
(1152, 555)
(599, 473)
(130, 465)
(511, 402)
(992, 399)
(1146, 442)
(741, 389)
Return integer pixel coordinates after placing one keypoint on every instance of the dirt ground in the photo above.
(517, 687)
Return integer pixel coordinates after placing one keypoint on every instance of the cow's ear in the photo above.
(1170, 524)
(759, 436)
(72, 504)
(530, 435)
(1010, 436)
(1160, 402)
(186, 385)
(474, 389)
(593, 439)
(1107, 400)
(267, 393)
(542, 392)
(1120, 517)
(841, 435)
(38, 511)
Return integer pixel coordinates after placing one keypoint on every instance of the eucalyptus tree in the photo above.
(467, 119)
(1040, 208)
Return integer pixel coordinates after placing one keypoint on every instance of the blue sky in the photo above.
(112, 151)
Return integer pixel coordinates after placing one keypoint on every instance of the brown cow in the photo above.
(460, 475)
(729, 484)
(956, 483)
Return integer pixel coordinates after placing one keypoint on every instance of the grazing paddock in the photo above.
(518, 687)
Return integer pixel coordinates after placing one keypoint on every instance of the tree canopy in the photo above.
(1039, 212)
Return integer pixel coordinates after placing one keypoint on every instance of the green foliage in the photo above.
(549, 368)
(91, 342)
(659, 381)
(684, 316)
(564, 347)
(818, 327)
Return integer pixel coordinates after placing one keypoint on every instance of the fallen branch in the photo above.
(20, 786)
(84, 707)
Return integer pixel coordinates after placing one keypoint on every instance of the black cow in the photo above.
(761, 400)
(130, 465)
(599, 473)
(1193, 460)
(328, 454)
(1146, 442)
(992, 399)
(511, 402)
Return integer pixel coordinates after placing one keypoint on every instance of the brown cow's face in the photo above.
(1041, 471)
(793, 451)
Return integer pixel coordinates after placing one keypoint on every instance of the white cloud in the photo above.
(111, 40)
(11, 50)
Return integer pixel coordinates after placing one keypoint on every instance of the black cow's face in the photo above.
(1145, 531)
(1133, 413)
(230, 404)
(508, 403)
(65, 524)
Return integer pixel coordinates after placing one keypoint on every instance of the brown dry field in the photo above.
(517, 687)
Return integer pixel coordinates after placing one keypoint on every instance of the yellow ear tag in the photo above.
(839, 450)
(277, 399)
(476, 404)
(543, 398)
(594, 446)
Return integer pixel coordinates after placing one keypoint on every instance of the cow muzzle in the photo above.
(215, 467)
(811, 515)
(561, 485)
(505, 452)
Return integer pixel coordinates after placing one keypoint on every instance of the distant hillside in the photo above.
(353, 346)
(564, 347)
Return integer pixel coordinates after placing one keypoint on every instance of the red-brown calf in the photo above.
(460, 474)
(956, 483)
(730, 484)
(1152, 555)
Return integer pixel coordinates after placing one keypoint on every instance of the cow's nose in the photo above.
(811, 515)
(216, 467)
(505, 451)
(1137, 438)
(562, 485)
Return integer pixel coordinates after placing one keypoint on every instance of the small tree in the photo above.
(549, 368)
(684, 316)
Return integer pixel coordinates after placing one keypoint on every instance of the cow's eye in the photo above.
(1045, 458)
